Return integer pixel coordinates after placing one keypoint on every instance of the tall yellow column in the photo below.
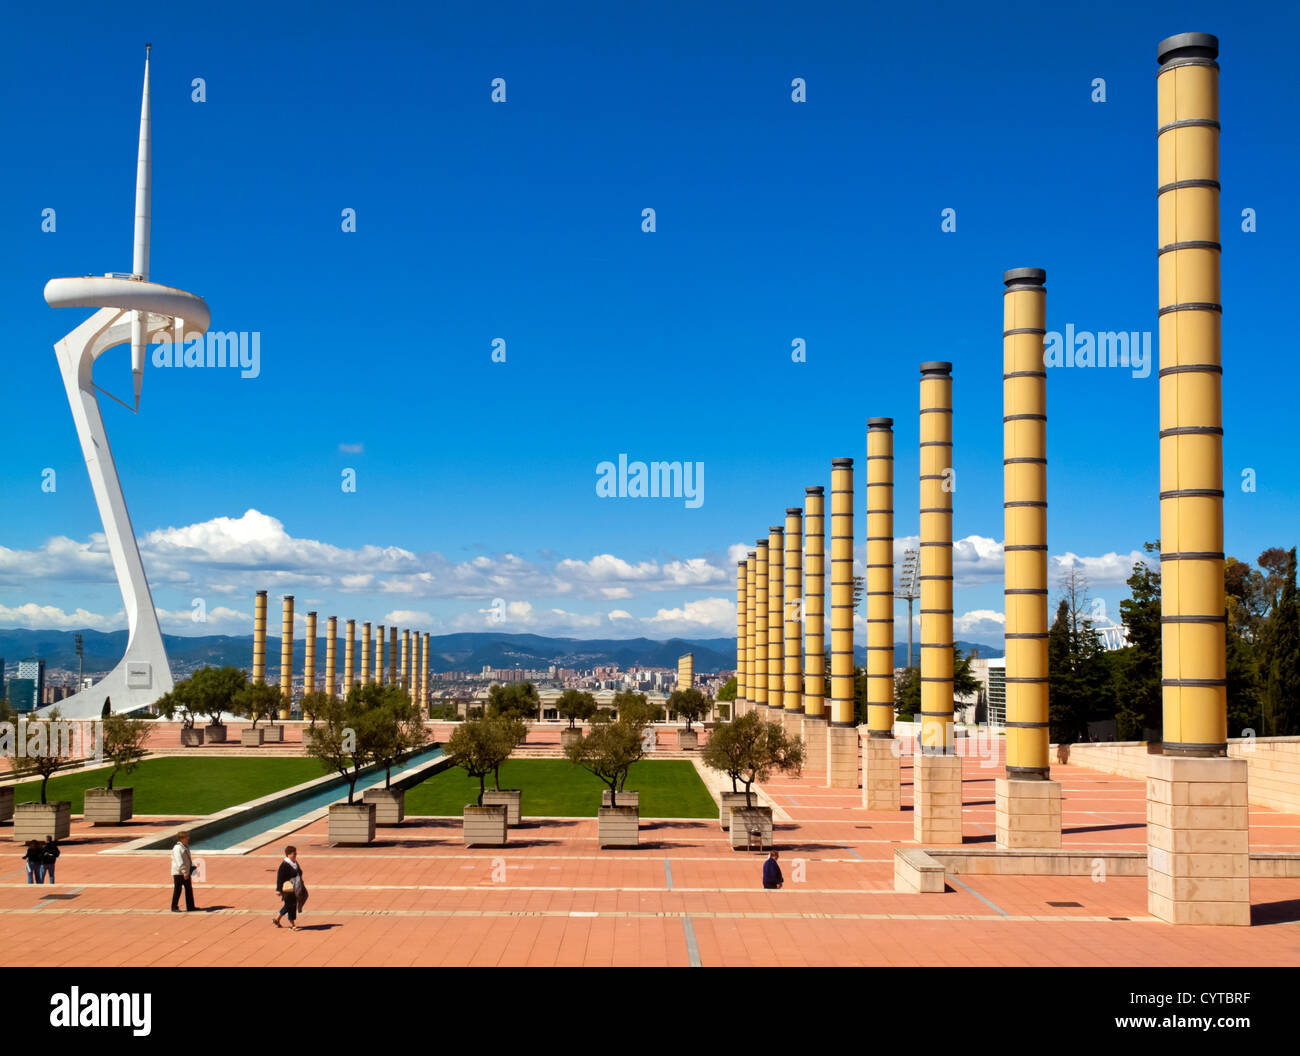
(936, 771)
(365, 654)
(751, 616)
(792, 671)
(1028, 803)
(349, 657)
(760, 627)
(331, 656)
(259, 637)
(775, 618)
(286, 655)
(309, 656)
(405, 680)
(414, 675)
(842, 735)
(740, 635)
(391, 673)
(880, 763)
(814, 624)
(424, 672)
(1197, 837)
(379, 655)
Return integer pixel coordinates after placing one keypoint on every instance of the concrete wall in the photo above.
(1273, 764)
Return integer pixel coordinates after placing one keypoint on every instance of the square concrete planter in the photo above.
(625, 799)
(108, 806)
(35, 821)
(273, 735)
(744, 820)
(688, 740)
(352, 823)
(216, 733)
(618, 826)
(729, 800)
(510, 798)
(191, 737)
(250, 737)
(568, 737)
(6, 802)
(485, 826)
(390, 804)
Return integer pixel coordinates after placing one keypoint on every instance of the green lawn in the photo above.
(183, 785)
(556, 788)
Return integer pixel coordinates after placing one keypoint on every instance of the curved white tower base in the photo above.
(142, 676)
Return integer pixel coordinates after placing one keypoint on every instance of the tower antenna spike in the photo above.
(140, 253)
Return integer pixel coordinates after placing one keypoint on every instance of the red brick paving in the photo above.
(418, 897)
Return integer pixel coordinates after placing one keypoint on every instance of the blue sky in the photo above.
(522, 221)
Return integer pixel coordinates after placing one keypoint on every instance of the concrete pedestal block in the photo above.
(880, 774)
(351, 823)
(510, 798)
(216, 733)
(936, 809)
(688, 740)
(1027, 813)
(36, 821)
(390, 805)
(1198, 840)
(251, 738)
(108, 806)
(191, 737)
(485, 826)
(813, 731)
(625, 799)
(745, 822)
(569, 737)
(842, 757)
(618, 826)
(792, 723)
(273, 735)
(727, 800)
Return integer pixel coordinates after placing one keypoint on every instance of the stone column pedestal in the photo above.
(880, 773)
(792, 723)
(1198, 840)
(936, 809)
(841, 756)
(1028, 813)
(813, 732)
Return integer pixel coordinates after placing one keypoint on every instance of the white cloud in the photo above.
(1108, 570)
(48, 616)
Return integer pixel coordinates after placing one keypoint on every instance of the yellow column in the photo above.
(286, 655)
(259, 637)
(1026, 814)
(751, 611)
(379, 655)
(365, 653)
(1197, 831)
(842, 735)
(775, 618)
(349, 657)
(792, 671)
(331, 656)
(880, 764)
(406, 661)
(740, 632)
(760, 626)
(414, 675)
(814, 623)
(424, 671)
(391, 674)
(936, 773)
(309, 656)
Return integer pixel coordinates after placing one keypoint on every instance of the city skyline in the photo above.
(478, 481)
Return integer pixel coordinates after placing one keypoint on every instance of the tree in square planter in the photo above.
(343, 740)
(47, 741)
(576, 706)
(690, 705)
(608, 752)
(124, 740)
(398, 728)
(209, 691)
(750, 749)
(183, 703)
(255, 701)
(479, 747)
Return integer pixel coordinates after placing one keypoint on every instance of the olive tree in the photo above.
(750, 749)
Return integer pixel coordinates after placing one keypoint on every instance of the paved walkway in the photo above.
(552, 897)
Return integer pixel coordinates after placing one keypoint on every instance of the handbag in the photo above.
(286, 888)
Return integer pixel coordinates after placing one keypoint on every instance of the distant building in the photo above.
(27, 691)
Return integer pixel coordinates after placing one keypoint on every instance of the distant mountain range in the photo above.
(468, 651)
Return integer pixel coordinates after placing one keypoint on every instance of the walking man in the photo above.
(49, 856)
(182, 873)
(772, 878)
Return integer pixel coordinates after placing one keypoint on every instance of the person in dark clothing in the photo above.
(288, 882)
(772, 878)
(32, 859)
(182, 873)
(49, 855)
